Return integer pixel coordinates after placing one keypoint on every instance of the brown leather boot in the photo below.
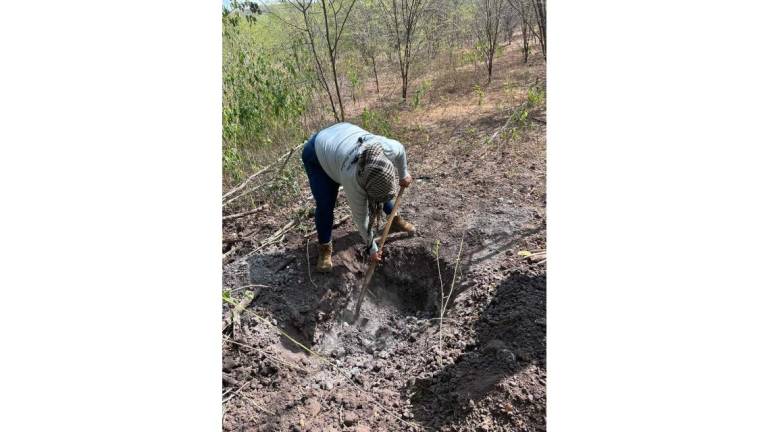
(324, 263)
(401, 225)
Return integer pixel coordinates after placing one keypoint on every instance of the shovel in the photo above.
(372, 265)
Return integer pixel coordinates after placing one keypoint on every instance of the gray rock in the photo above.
(350, 418)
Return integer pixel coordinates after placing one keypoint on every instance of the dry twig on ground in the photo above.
(272, 181)
(234, 393)
(442, 296)
(234, 318)
(336, 225)
(239, 187)
(245, 213)
(249, 286)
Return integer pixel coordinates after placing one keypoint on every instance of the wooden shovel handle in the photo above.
(372, 265)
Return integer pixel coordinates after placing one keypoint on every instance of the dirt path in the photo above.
(388, 371)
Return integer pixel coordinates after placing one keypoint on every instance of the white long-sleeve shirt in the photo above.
(337, 149)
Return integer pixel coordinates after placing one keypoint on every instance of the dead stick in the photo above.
(287, 158)
(336, 225)
(235, 393)
(244, 303)
(372, 265)
(242, 185)
(237, 332)
(245, 213)
(258, 406)
(265, 169)
(250, 286)
(230, 253)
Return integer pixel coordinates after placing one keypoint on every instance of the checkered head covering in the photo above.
(376, 174)
(378, 177)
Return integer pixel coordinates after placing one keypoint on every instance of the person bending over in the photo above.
(370, 167)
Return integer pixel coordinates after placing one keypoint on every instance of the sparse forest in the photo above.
(454, 327)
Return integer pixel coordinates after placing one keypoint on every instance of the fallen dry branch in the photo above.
(268, 355)
(536, 257)
(230, 253)
(309, 267)
(336, 225)
(249, 286)
(231, 238)
(245, 213)
(242, 185)
(272, 181)
(442, 298)
(444, 305)
(235, 393)
(237, 329)
(234, 319)
(276, 236)
(258, 406)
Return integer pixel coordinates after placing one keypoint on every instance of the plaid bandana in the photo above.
(376, 174)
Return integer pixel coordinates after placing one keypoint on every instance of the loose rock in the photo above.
(350, 418)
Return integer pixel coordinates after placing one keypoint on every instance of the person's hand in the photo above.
(376, 257)
(406, 181)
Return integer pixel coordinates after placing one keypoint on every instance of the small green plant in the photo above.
(520, 116)
(535, 96)
(468, 57)
(375, 122)
(354, 83)
(421, 90)
(233, 162)
(479, 92)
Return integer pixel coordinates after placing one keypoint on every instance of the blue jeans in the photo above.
(324, 190)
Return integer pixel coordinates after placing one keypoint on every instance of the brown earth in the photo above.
(395, 369)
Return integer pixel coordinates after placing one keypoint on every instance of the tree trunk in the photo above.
(541, 20)
(405, 85)
(320, 73)
(332, 56)
(336, 83)
(525, 42)
(490, 68)
(375, 74)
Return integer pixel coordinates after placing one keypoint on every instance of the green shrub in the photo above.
(375, 122)
(479, 92)
(421, 90)
(261, 102)
(535, 96)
